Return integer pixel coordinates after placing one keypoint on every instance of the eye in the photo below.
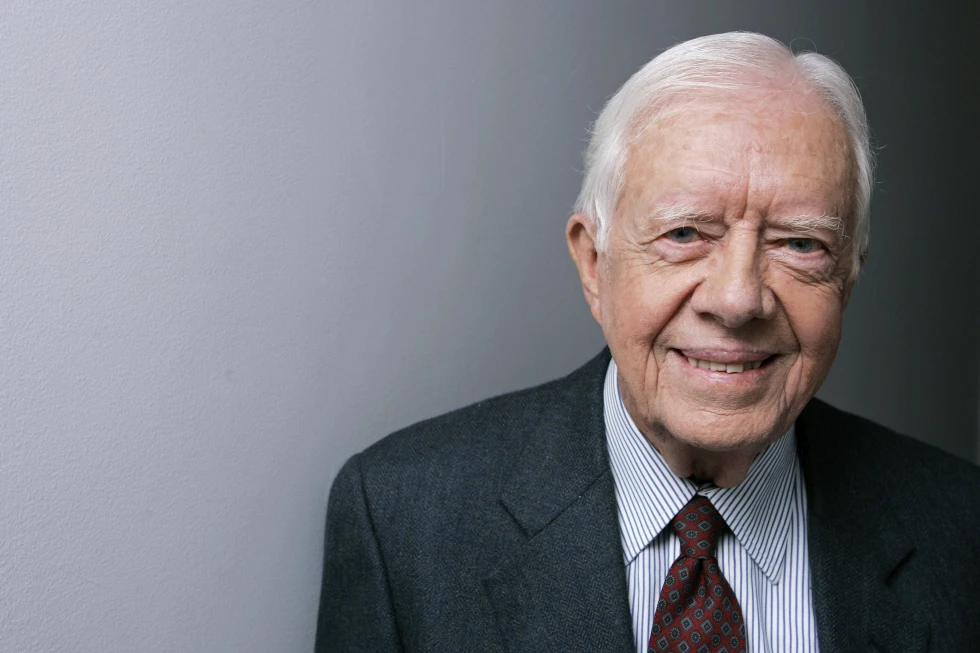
(803, 245)
(682, 234)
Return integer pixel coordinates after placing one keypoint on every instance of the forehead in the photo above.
(764, 154)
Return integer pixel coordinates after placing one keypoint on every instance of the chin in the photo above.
(712, 432)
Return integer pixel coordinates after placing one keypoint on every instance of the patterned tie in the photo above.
(697, 611)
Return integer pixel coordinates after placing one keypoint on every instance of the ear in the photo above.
(580, 235)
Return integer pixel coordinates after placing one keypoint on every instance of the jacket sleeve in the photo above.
(356, 612)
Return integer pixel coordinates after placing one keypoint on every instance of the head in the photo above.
(722, 222)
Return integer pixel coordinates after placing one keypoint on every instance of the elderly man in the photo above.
(683, 491)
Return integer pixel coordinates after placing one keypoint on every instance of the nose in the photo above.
(734, 292)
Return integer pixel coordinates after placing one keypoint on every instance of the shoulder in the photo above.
(879, 449)
(870, 458)
(490, 426)
(471, 449)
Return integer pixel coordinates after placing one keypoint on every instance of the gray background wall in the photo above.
(240, 241)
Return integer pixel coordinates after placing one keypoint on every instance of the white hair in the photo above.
(720, 65)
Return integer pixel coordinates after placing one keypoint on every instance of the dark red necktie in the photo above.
(697, 611)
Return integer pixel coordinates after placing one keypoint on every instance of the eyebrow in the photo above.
(678, 212)
(804, 223)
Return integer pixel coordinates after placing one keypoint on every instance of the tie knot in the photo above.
(699, 526)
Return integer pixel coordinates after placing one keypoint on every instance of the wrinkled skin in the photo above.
(704, 259)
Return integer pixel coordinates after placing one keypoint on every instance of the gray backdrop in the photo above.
(242, 240)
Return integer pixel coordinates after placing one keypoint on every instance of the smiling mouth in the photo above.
(728, 368)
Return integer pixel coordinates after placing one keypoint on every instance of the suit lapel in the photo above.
(858, 547)
(564, 587)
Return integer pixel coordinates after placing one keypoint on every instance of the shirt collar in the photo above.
(648, 494)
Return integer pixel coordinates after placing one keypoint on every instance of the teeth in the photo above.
(729, 368)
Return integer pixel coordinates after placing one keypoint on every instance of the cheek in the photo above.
(645, 299)
(815, 315)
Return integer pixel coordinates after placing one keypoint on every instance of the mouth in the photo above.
(731, 363)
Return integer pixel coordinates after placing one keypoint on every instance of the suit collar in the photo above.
(564, 586)
(564, 454)
(858, 544)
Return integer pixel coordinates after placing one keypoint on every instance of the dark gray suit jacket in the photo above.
(494, 528)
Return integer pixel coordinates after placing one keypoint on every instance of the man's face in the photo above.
(720, 299)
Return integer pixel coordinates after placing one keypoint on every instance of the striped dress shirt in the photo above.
(763, 555)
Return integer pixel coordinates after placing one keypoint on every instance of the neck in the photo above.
(723, 468)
